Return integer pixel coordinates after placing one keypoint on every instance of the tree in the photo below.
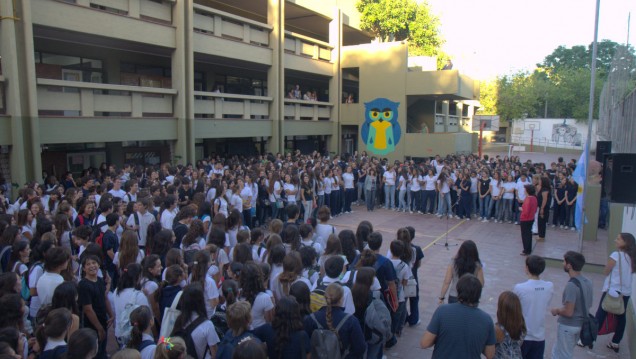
(488, 97)
(398, 20)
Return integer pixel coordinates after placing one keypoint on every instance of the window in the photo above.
(350, 84)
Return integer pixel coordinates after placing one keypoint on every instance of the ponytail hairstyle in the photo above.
(292, 270)
(404, 236)
(200, 267)
(56, 324)
(174, 274)
(333, 296)
(170, 348)
(140, 320)
(230, 291)
(130, 278)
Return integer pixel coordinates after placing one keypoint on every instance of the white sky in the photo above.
(487, 38)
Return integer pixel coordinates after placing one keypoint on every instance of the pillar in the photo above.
(276, 74)
(179, 81)
(335, 83)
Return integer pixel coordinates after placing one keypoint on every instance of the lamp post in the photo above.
(531, 136)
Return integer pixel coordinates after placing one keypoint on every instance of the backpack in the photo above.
(186, 335)
(25, 292)
(97, 235)
(227, 345)
(219, 319)
(124, 326)
(589, 329)
(145, 344)
(377, 321)
(317, 297)
(352, 274)
(325, 343)
(389, 299)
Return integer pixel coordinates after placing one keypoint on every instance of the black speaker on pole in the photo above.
(619, 177)
(603, 148)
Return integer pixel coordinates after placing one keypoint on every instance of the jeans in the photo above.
(389, 196)
(414, 309)
(621, 320)
(558, 218)
(428, 196)
(464, 209)
(498, 209)
(569, 215)
(531, 349)
(402, 199)
(307, 206)
(416, 202)
(369, 195)
(360, 191)
(349, 193)
(484, 206)
(526, 236)
(320, 201)
(398, 318)
(567, 337)
(507, 209)
(247, 217)
(274, 209)
(409, 198)
(335, 203)
(327, 199)
(475, 197)
(374, 351)
(444, 206)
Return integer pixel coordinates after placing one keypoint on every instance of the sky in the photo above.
(486, 38)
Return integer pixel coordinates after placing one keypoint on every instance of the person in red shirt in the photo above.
(528, 210)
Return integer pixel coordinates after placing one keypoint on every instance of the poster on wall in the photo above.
(381, 131)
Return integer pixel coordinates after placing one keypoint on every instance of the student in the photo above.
(168, 290)
(311, 271)
(334, 269)
(181, 225)
(110, 246)
(170, 348)
(128, 251)
(193, 321)
(65, 296)
(254, 292)
(535, 295)
(128, 292)
(292, 273)
(141, 334)
(330, 316)
(230, 290)
(239, 319)
(308, 240)
(199, 275)
(55, 262)
(94, 301)
(83, 344)
(403, 273)
(140, 220)
(510, 328)
(52, 334)
(285, 337)
(385, 272)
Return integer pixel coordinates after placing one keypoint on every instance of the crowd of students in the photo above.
(217, 259)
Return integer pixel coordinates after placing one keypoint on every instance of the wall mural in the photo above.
(381, 131)
(566, 134)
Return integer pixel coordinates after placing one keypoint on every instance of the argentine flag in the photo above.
(579, 178)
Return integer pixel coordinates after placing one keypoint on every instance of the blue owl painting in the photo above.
(381, 131)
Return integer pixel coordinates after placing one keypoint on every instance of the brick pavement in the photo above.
(499, 247)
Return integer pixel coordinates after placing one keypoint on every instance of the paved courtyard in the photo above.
(499, 247)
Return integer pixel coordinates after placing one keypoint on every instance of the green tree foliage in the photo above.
(488, 97)
(559, 87)
(397, 20)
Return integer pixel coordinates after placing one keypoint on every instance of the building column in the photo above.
(335, 83)
(276, 74)
(189, 76)
(445, 112)
(179, 81)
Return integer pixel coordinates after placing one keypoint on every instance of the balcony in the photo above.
(307, 110)
(84, 99)
(306, 54)
(221, 105)
(220, 33)
(118, 19)
(446, 84)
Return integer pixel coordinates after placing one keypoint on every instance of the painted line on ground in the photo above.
(442, 235)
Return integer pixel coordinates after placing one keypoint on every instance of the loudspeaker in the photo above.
(603, 148)
(619, 176)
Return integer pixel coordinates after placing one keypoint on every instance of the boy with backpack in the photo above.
(308, 240)
(385, 272)
(334, 269)
(403, 273)
(239, 319)
(110, 246)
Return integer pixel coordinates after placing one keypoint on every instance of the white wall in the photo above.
(552, 132)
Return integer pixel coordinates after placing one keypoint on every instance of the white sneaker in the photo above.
(481, 218)
(420, 212)
(516, 222)
(411, 212)
(574, 229)
(485, 220)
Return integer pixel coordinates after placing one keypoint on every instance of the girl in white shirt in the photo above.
(496, 193)
(141, 338)
(402, 184)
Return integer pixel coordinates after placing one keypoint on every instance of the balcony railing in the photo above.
(307, 110)
(221, 105)
(306, 46)
(226, 25)
(86, 99)
(160, 11)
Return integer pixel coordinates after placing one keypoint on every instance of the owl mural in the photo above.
(381, 131)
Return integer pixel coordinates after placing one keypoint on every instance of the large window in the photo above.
(70, 68)
(350, 84)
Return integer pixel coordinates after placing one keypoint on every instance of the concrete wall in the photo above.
(550, 132)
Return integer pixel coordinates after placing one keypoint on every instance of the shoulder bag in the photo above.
(610, 304)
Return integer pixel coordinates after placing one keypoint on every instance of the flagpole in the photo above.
(590, 117)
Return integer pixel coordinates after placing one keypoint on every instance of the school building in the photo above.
(148, 81)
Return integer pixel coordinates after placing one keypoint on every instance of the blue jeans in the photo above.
(369, 196)
(414, 309)
(484, 206)
(428, 197)
(374, 351)
(444, 206)
(398, 318)
(475, 197)
(567, 337)
(389, 196)
(360, 191)
(507, 209)
(402, 199)
(497, 204)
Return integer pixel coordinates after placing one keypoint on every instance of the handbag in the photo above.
(610, 304)
(410, 289)
(170, 315)
(609, 325)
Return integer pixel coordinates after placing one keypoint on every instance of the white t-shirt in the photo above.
(348, 305)
(473, 184)
(348, 180)
(495, 189)
(311, 243)
(140, 257)
(509, 190)
(46, 286)
(327, 183)
(149, 286)
(324, 231)
(402, 183)
(120, 193)
(443, 186)
(624, 274)
(246, 196)
(36, 272)
(128, 295)
(202, 336)
(222, 203)
(144, 222)
(262, 303)
(415, 183)
(236, 202)
(430, 182)
(389, 178)
(209, 197)
(403, 272)
(521, 192)
(535, 296)
(209, 292)
(291, 198)
(167, 217)
(149, 351)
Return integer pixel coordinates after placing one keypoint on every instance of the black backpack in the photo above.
(186, 335)
(589, 329)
